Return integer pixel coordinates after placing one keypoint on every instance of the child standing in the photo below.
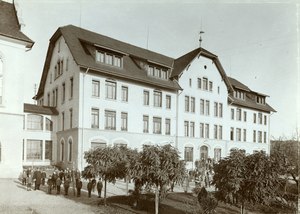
(29, 182)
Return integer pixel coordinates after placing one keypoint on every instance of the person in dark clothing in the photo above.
(66, 185)
(58, 183)
(54, 178)
(78, 187)
(50, 184)
(37, 176)
(99, 187)
(43, 177)
(94, 182)
(89, 187)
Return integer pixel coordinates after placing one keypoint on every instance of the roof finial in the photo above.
(200, 39)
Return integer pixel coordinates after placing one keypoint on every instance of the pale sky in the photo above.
(257, 43)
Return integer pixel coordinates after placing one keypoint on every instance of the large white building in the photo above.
(108, 92)
(13, 46)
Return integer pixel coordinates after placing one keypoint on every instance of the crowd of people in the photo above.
(34, 178)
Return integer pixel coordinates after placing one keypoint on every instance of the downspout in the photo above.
(82, 118)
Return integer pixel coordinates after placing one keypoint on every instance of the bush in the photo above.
(208, 203)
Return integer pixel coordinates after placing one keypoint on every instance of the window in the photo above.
(146, 98)
(111, 92)
(62, 150)
(34, 122)
(215, 131)
(124, 93)
(265, 119)
(168, 101)
(232, 114)
(63, 121)
(202, 106)
(97, 145)
(95, 88)
(95, 118)
(202, 130)
(156, 125)
(48, 99)
(192, 129)
(71, 87)
(210, 86)
(193, 104)
(220, 132)
(245, 135)
(203, 152)
(265, 137)
(110, 120)
(207, 107)
(157, 72)
(190, 82)
(108, 58)
(205, 83)
(199, 83)
(188, 154)
(1, 81)
(145, 124)
(186, 103)
(231, 133)
(259, 137)
(168, 126)
(260, 118)
(218, 89)
(238, 134)
(215, 109)
(70, 145)
(220, 110)
(206, 130)
(63, 92)
(157, 98)
(150, 71)
(71, 118)
(49, 125)
(254, 136)
(186, 128)
(34, 149)
(56, 96)
(217, 154)
(254, 117)
(245, 116)
(239, 114)
(48, 150)
(53, 98)
(67, 64)
(124, 121)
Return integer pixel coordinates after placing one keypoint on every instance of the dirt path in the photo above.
(15, 199)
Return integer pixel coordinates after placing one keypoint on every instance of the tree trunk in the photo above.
(156, 199)
(127, 180)
(105, 191)
(242, 208)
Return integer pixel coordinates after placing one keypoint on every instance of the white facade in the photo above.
(98, 108)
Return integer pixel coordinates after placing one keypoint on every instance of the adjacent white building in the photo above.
(108, 92)
(13, 46)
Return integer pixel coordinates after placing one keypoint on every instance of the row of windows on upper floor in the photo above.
(261, 136)
(242, 96)
(110, 118)
(190, 106)
(189, 130)
(204, 84)
(262, 119)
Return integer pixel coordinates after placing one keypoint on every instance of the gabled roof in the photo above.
(181, 63)
(30, 108)
(9, 24)
(248, 102)
(82, 44)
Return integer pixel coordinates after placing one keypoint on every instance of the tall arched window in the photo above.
(203, 152)
(1, 81)
(70, 150)
(62, 150)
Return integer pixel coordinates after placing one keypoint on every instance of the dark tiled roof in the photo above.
(182, 63)
(250, 103)
(30, 108)
(9, 24)
(237, 84)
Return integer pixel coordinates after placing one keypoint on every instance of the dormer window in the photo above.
(108, 58)
(260, 100)
(157, 72)
(239, 95)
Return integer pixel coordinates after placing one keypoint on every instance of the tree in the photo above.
(157, 166)
(110, 163)
(254, 178)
